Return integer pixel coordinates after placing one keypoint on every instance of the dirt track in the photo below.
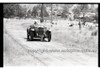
(18, 51)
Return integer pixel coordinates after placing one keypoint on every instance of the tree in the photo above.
(28, 14)
(13, 10)
(9, 10)
(51, 13)
(34, 11)
(94, 9)
(66, 8)
(19, 11)
(80, 11)
(43, 12)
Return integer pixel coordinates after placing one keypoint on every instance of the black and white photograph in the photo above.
(50, 34)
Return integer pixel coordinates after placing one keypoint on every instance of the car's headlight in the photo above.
(32, 29)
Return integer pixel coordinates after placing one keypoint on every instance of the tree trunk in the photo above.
(51, 13)
(79, 24)
(42, 19)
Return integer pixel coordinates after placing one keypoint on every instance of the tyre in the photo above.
(27, 35)
(31, 35)
(49, 36)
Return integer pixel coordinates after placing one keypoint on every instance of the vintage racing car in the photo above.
(38, 31)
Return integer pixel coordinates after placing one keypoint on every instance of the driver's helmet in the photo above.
(35, 23)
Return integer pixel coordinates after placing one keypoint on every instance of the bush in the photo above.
(94, 33)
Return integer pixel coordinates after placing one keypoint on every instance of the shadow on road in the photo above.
(35, 40)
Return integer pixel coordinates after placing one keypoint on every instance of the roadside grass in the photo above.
(73, 37)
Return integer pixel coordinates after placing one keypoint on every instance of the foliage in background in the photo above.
(13, 10)
(58, 10)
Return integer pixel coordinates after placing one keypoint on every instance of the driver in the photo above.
(34, 25)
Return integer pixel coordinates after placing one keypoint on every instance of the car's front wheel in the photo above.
(49, 36)
(27, 37)
(31, 35)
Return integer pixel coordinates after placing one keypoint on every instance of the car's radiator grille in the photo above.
(40, 31)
